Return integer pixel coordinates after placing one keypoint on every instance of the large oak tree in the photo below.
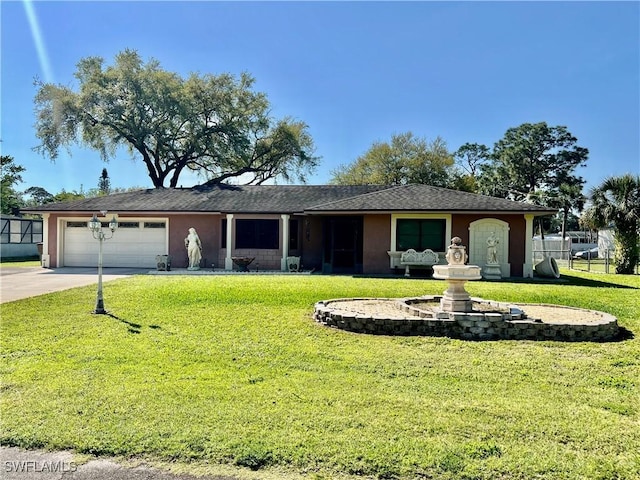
(216, 125)
(405, 159)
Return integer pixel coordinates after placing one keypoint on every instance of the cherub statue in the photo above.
(456, 254)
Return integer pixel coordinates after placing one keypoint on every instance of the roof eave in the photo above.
(124, 212)
(537, 213)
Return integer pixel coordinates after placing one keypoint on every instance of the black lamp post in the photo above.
(95, 226)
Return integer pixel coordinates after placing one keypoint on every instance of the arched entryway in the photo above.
(479, 233)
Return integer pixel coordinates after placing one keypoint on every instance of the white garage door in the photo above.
(134, 244)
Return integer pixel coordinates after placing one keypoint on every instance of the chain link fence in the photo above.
(585, 257)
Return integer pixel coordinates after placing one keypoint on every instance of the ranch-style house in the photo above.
(332, 228)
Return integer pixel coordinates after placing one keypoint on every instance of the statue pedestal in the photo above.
(455, 297)
(492, 271)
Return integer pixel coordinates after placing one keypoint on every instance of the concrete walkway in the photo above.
(22, 282)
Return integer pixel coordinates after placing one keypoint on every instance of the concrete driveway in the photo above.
(22, 282)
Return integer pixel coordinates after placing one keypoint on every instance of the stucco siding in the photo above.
(376, 243)
(208, 228)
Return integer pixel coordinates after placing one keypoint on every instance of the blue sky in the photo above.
(355, 72)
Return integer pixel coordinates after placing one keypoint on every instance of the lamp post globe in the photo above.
(94, 224)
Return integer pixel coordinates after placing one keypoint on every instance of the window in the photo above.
(37, 232)
(128, 224)
(15, 229)
(421, 234)
(261, 234)
(223, 233)
(4, 233)
(154, 225)
(21, 231)
(293, 234)
(86, 224)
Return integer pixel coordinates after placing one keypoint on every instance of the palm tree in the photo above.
(616, 203)
(569, 197)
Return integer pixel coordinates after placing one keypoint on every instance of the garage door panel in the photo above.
(75, 260)
(129, 247)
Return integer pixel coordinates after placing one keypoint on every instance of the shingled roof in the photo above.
(293, 199)
(218, 198)
(426, 198)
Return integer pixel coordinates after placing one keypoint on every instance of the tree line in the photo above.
(12, 199)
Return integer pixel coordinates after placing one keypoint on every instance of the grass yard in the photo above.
(205, 372)
(21, 262)
(598, 265)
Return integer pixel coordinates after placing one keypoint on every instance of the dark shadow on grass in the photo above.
(587, 282)
(565, 280)
(392, 276)
(132, 327)
(624, 334)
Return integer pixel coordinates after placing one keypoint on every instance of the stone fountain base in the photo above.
(487, 320)
(456, 298)
(455, 314)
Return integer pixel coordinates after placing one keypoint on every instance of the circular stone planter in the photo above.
(488, 320)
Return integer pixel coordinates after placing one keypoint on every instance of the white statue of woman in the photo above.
(492, 249)
(194, 249)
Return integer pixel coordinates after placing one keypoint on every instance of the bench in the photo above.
(411, 258)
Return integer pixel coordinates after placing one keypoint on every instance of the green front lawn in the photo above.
(20, 262)
(202, 371)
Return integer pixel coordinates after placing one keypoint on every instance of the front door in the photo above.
(342, 239)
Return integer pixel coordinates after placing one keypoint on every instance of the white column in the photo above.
(228, 263)
(45, 240)
(285, 241)
(527, 270)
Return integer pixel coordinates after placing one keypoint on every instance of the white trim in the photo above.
(285, 242)
(228, 263)
(394, 256)
(420, 216)
(527, 267)
(46, 258)
(478, 235)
